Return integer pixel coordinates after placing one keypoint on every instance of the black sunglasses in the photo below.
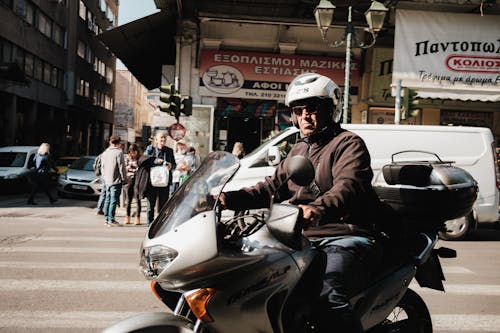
(311, 107)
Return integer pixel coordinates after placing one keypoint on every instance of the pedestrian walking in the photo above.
(162, 156)
(131, 165)
(114, 175)
(41, 178)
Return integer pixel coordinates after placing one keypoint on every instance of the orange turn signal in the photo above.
(198, 301)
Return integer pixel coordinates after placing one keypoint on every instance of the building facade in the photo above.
(235, 59)
(63, 92)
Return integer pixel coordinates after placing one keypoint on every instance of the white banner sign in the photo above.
(448, 55)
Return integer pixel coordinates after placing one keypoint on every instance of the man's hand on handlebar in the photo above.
(312, 215)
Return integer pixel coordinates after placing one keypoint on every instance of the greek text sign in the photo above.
(263, 75)
(448, 55)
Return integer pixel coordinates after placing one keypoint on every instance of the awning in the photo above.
(144, 46)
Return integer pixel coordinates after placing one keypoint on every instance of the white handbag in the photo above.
(159, 176)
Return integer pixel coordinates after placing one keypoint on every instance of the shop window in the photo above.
(20, 57)
(38, 69)
(29, 64)
(58, 34)
(47, 73)
(82, 11)
(30, 13)
(6, 54)
(20, 8)
(81, 49)
(109, 75)
(54, 79)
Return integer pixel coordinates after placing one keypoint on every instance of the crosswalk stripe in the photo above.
(466, 322)
(57, 319)
(461, 289)
(88, 239)
(49, 249)
(69, 265)
(138, 231)
(74, 285)
(456, 270)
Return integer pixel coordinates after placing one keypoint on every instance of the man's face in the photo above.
(161, 141)
(312, 115)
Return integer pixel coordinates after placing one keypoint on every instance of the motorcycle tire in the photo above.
(411, 315)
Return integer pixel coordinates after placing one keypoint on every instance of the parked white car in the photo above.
(16, 166)
(470, 148)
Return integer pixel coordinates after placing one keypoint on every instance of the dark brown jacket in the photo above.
(343, 185)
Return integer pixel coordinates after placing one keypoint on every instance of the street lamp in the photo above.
(375, 15)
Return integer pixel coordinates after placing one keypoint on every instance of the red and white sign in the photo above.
(263, 75)
(448, 55)
(177, 131)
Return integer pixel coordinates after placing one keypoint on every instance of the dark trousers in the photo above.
(351, 262)
(131, 195)
(156, 193)
(40, 183)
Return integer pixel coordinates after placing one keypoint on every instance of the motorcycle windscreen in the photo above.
(198, 192)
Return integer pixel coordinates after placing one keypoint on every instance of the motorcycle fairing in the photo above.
(162, 321)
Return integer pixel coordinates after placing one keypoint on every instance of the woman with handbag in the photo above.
(164, 160)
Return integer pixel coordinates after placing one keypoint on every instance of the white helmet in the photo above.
(310, 85)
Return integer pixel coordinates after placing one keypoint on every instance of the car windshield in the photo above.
(83, 163)
(197, 194)
(12, 159)
(259, 148)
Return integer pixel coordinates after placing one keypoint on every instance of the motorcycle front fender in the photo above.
(152, 322)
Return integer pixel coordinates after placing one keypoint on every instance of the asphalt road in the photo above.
(62, 270)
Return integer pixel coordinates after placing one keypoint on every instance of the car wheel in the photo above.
(62, 194)
(457, 229)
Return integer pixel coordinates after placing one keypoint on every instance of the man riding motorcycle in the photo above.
(340, 208)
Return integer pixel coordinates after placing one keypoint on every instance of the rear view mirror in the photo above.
(300, 170)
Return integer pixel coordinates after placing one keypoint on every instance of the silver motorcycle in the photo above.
(254, 271)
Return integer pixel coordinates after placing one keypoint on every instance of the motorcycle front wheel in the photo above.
(409, 316)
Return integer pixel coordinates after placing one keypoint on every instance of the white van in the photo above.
(470, 148)
(16, 163)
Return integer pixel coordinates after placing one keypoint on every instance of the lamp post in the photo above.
(375, 15)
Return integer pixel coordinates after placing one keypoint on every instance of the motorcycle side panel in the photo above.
(375, 303)
(159, 321)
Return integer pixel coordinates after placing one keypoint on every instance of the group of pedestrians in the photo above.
(133, 171)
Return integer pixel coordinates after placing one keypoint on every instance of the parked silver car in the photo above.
(80, 179)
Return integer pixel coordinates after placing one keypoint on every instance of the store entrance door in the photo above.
(245, 130)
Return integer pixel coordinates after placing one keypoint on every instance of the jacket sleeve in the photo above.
(352, 176)
(121, 167)
(170, 158)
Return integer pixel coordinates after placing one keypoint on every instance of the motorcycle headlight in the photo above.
(155, 259)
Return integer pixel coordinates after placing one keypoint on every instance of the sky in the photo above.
(131, 10)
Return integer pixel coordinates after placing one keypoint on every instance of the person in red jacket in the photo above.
(340, 207)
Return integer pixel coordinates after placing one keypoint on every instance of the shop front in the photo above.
(250, 89)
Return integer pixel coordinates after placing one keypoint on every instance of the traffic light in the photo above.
(174, 102)
(409, 103)
(171, 99)
(187, 105)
